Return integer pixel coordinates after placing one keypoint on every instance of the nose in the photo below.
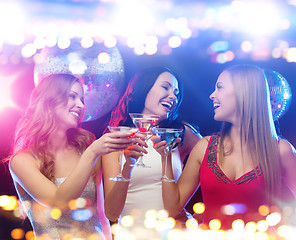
(212, 96)
(80, 103)
(172, 96)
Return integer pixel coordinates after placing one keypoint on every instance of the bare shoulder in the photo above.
(200, 148)
(287, 152)
(22, 160)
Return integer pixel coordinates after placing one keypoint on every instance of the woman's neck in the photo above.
(58, 140)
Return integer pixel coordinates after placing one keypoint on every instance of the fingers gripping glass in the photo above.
(119, 176)
(169, 135)
(143, 122)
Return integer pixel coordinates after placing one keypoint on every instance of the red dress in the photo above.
(225, 199)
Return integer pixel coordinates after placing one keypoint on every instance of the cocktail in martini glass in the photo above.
(133, 131)
(143, 122)
(169, 135)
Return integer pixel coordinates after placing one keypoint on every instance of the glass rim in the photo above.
(144, 115)
(168, 129)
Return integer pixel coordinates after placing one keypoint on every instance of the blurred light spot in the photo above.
(160, 226)
(17, 213)
(127, 221)
(82, 214)
(72, 204)
(238, 225)
(51, 41)
(174, 42)
(38, 58)
(166, 50)
(215, 224)
(263, 210)
(175, 234)
(39, 42)
(56, 213)
(246, 46)
(251, 227)
(191, 224)
(261, 236)
(286, 231)
(64, 42)
(80, 202)
(151, 214)
(8, 203)
(273, 218)
(169, 223)
(285, 24)
(139, 50)
(162, 214)
(199, 207)
(151, 49)
(276, 53)
(150, 222)
(28, 50)
(262, 226)
(287, 211)
(114, 228)
(290, 54)
(103, 58)
(77, 66)
(219, 46)
(30, 235)
(87, 42)
(17, 233)
(110, 42)
(234, 208)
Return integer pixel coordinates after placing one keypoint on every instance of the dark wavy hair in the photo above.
(133, 100)
(34, 129)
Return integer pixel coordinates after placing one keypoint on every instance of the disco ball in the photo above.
(280, 93)
(102, 81)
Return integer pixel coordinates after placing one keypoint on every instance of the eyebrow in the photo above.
(71, 91)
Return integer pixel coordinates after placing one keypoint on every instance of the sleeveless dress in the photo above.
(79, 223)
(145, 190)
(226, 199)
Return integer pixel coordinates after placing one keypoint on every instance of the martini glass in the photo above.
(169, 135)
(119, 176)
(143, 122)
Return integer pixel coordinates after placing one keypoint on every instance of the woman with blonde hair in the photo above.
(54, 162)
(244, 166)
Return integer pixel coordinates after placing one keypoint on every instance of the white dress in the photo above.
(145, 192)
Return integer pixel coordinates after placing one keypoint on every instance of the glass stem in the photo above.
(166, 161)
(120, 162)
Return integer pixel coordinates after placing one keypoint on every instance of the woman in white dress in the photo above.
(153, 91)
(54, 162)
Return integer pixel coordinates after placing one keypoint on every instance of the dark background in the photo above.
(191, 62)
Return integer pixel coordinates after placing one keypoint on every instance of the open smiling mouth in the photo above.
(216, 105)
(167, 105)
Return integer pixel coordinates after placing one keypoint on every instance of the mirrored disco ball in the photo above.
(280, 93)
(103, 80)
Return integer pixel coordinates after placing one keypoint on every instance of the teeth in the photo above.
(75, 114)
(166, 105)
(216, 105)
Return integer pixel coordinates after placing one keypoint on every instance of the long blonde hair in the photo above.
(40, 121)
(257, 127)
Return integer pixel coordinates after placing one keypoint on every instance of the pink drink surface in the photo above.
(143, 124)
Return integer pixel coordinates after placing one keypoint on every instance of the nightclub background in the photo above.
(196, 39)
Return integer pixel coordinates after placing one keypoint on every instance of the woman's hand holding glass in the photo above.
(137, 149)
(112, 142)
(165, 146)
